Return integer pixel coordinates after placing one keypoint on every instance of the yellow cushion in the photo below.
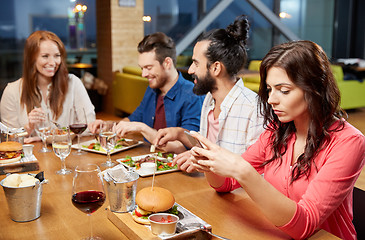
(337, 72)
(254, 65)
(183, 61)
(253, 86)
(135, 70)
(251, 78)
(128, 91)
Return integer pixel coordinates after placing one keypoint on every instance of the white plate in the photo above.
(87, 143)
(141, 171)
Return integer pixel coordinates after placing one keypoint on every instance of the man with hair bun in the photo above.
(229, 114)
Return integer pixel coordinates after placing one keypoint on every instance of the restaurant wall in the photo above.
(119, 30)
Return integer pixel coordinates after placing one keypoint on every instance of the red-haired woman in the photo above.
(45, 87)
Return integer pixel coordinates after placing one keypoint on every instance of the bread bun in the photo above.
(140, 220)
(10, 160)
(10, 146)
(155, 200)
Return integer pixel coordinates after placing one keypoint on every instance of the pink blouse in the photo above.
(324, 200)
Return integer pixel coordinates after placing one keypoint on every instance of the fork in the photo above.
(200, 226)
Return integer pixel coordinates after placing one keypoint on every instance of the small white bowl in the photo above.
(28, 150)
(148, 166)
(163, 228)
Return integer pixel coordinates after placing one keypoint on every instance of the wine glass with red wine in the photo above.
(78, 124)
(88, 193)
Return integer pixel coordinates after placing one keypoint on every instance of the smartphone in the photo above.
(193, 140)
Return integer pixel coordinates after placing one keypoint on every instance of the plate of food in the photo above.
(138, 163)
(94, 146)
(49, 138)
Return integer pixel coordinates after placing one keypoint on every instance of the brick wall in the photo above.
(119, 30)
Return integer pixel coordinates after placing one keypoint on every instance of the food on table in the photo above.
(63, 130)
(167, 220)
(161, 164)
(125, 143)
(167, 155)
(20, 180)
(152, 200)
(163, 223)
(120, 144)
(10, 152)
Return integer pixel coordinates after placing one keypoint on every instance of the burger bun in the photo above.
(10, 146)
(155, 200)
(140, 220)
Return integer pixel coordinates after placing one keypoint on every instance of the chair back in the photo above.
(128, 91)
(359, 212)
(254, 65)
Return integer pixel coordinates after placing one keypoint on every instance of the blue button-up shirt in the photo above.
(182, 106)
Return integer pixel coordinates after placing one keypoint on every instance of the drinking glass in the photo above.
(107, 139)
(43, 130)
(61, 143)
(78, 124)
(88, 193)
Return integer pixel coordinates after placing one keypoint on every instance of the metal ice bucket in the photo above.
(24, 203)
(122, 195)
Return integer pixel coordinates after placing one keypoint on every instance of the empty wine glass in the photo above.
(78, 124)
(107, 139)
(61, 143)
(43, 130)
(88, 193)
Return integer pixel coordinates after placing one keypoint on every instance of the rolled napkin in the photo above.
(20, 180)
(23, 180)
(117, 174)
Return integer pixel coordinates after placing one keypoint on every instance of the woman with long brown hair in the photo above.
(309, 156)
(45, 87)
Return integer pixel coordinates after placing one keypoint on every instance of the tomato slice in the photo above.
(91, 146)
(137, 213)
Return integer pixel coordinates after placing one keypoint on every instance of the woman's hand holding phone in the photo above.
(194, 142)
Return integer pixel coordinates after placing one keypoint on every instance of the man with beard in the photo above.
(229, 114)
(169, 100)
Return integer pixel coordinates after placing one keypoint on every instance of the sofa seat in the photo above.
(352, 91)
(251, 82)
(128, 89)
(251, 79)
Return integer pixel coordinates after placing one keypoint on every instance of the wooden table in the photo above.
(232, 215)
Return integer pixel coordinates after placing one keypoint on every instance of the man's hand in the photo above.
(94, 126)
(165, 135)
(123, 128)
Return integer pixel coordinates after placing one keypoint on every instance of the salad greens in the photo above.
(161, 165)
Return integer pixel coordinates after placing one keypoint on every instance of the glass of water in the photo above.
(107, 139)
(43, 130)
(61, 144)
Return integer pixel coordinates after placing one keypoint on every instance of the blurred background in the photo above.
(337, 25)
